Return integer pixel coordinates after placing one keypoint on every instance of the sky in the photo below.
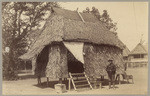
(131, 18)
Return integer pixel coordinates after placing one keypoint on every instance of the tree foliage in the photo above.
(18, 19)
(105, 18)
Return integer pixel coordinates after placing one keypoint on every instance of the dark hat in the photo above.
(110, 59)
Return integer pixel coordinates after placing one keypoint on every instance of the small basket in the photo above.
(60, 88)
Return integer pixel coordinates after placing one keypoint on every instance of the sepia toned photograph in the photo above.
(61, 48)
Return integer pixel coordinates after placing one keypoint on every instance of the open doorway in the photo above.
(74, 66)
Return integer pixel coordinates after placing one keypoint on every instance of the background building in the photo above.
(138, 56)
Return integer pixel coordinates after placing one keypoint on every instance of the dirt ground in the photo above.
(28, 86)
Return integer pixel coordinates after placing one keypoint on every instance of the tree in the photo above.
(18, 19)
(105, 18)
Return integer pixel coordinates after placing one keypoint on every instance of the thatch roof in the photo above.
(126, 51)
(140, 49)
(66, 25)
(73, 15)
(146, 47)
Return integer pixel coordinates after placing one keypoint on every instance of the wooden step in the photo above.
(77, 74)
(82, 85)
(80, 81)
(78, 78)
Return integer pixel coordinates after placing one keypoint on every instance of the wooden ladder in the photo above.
(79, 80)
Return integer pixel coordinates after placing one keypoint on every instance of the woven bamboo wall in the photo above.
(41, 62)
(96, 59)
(57, 64)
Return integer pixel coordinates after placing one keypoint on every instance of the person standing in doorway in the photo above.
(111, 71)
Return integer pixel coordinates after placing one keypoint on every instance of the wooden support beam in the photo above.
(119, 79)
(69, 85)
(60, 80)
(47, 81)
(95, 83)
(100, 85)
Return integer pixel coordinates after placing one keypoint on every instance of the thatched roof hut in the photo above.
(140, 49)
(139, 53)
(71, 26)
(126, 53)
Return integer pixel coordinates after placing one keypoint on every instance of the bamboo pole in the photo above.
(80, 16)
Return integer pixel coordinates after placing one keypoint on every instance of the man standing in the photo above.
(111, 70)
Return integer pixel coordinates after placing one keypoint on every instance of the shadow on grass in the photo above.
(52, 84)
(27, 77)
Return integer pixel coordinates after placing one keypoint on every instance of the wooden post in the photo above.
(39, 80)
(60, 80)
(119, 79)
(95, 79)
(69, 84)
(25, 67)
(101, 80)
(100, 85)
(47, 81)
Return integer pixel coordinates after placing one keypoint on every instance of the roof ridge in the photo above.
(139, 44)
(73, 15)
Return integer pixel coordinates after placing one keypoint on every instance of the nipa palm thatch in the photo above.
(99, 44)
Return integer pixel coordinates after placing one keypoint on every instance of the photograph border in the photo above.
(148, 94)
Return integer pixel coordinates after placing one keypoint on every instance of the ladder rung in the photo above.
(80, 81)
(79, 77)
(82, 85)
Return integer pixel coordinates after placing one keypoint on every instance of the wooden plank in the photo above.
(77, 73)
(80, 81)
(82, 85)
(78, 78)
